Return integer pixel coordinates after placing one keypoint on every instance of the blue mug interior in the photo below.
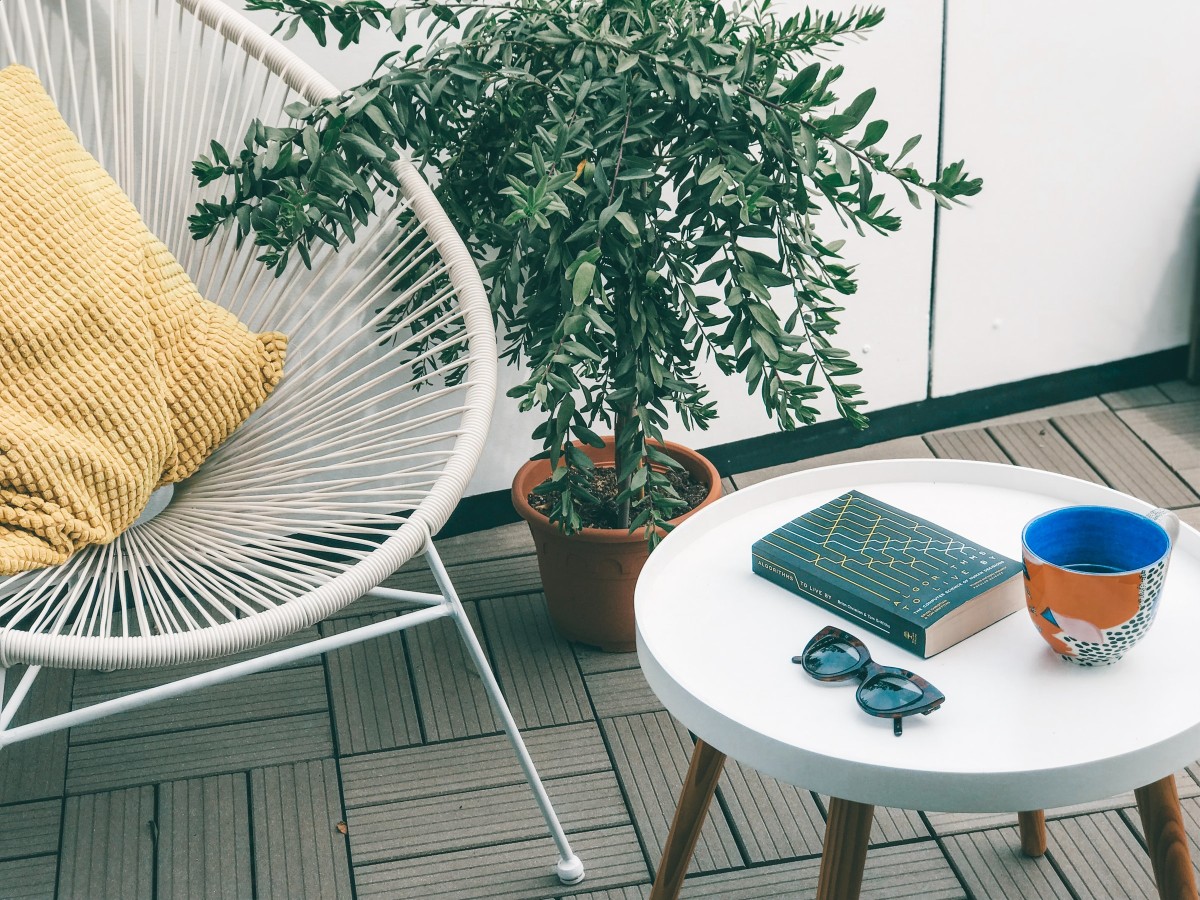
(1096, 539)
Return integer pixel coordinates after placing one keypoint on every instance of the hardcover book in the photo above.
(899, 575)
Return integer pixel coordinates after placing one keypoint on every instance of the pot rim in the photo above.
(615, 535)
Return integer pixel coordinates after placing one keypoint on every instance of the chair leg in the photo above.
(569, 868)
(3, 677)
(8, 711)
(1032, 826)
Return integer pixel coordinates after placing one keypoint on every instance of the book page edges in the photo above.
(980, 612)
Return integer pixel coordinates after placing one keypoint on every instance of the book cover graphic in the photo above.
(856, 548)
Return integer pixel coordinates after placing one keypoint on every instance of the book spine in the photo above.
(880, 621)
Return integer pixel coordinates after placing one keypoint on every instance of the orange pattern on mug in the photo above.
(1080, 604)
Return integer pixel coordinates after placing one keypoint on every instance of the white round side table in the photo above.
(1021, 730)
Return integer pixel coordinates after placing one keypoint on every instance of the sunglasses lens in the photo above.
(831, 658)
(889, 691)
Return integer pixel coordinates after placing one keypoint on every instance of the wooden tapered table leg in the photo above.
(1033, 832)
(845, 852)
(694, 799)
(1162, 821)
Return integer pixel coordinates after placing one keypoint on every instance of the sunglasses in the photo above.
(883, 691)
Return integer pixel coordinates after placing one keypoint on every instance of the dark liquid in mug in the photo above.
(1093, 568)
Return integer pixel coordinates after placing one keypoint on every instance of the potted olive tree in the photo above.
(644, 183)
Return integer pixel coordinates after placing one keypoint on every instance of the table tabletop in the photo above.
(1021, 729)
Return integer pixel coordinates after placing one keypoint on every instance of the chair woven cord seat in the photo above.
(250, 631)
(367, 444)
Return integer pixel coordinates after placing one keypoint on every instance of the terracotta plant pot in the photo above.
(589, 576)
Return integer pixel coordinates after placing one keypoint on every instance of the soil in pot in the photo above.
(603, 485)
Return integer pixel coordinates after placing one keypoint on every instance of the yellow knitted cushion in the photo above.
(115, 375)
(217, 373)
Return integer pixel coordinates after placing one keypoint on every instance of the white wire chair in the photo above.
(358, 457)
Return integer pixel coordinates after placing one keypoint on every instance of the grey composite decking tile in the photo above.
(771, 819)
(993, 867)
(523, 870)
(440, 769)
(374, 706)
(917, 871)
(493, 543)
(651, 752)
(944, 823)
(108, 846)
(36, 769)
(1180, 391)
(1100, 858)
(204, 751)
(298, 849)
(534, 664)
(904, 872)
(593, 660)
(267, 695)
(775, 820)
(498, 578)
(632, 892)
(503, 577)
(481, 818)
(1173, 432)
(1123, 460)
(621, 693)
(900, 448)
(892, 825)
(955, 823)
(92, 685)
(1150, 395)
(29, 829)
(967, 443)
(1037, 444)
(204, 839)
(29, 879)
(1071, 408)
(449, 691)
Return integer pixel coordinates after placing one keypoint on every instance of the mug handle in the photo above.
(1168, 520)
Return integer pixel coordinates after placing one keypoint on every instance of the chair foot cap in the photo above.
(570, 871)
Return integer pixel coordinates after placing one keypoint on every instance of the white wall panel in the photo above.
(885, 325)
(1085, 124)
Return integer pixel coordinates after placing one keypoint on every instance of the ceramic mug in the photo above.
(1093, 577)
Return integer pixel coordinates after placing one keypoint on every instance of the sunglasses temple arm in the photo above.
(897, 726)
